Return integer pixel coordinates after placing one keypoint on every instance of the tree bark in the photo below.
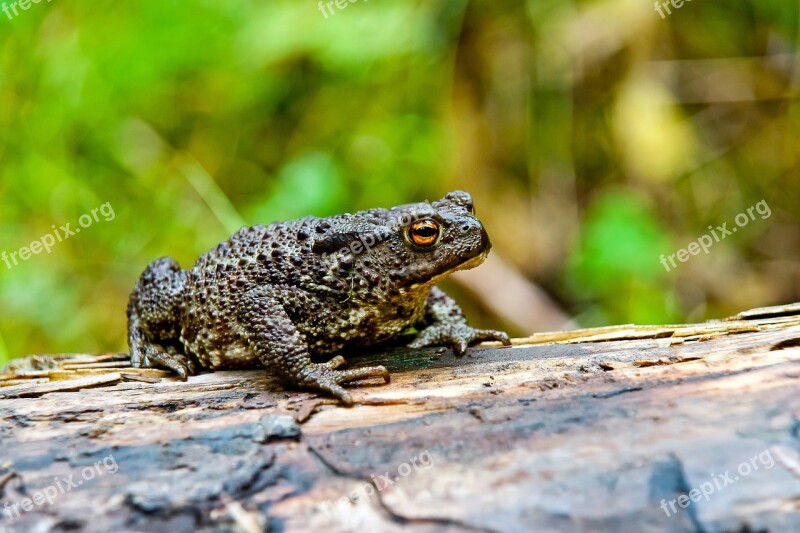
(628, 428)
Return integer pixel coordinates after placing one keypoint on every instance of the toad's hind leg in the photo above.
(154, 317)
(281, 348)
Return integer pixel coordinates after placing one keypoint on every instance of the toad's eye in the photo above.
(424, 233)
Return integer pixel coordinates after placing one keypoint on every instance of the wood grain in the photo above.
(566, 431)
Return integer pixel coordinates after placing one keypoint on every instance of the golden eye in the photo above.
(424, 233)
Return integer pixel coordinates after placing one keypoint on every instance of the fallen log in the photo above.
(627, 428)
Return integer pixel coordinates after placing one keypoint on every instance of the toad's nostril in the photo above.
(465, 228)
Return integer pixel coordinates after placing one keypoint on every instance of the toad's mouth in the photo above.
(475, 261)
(467, 263)
(462, 264)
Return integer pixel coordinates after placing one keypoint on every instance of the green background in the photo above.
(594, 136)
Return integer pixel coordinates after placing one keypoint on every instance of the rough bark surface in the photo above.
(588, 430)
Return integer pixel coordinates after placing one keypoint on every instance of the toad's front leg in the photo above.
(281, 347)
(447, 325)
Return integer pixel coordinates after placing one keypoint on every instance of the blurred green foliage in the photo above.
(595, 136)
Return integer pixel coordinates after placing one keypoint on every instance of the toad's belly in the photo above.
(219, 350)
(355, 329)
(228, 345)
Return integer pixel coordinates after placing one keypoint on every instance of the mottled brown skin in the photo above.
(281, 293)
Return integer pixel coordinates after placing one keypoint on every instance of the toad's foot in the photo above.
(458, 336)
(151, 355)
(325, 377)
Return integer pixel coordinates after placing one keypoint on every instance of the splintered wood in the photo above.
(625, 428)
(41, 374)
